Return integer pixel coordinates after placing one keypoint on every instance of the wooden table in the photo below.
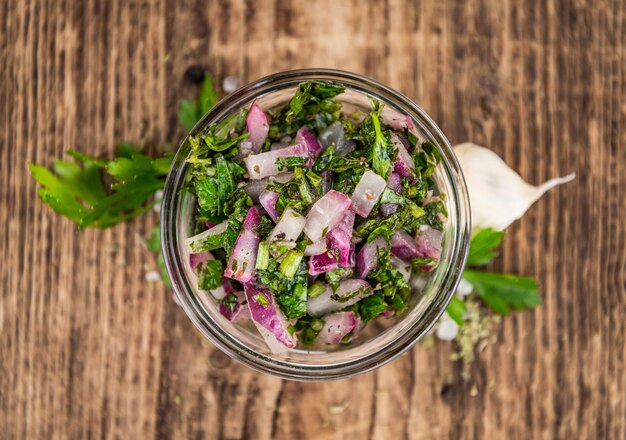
(89, 348)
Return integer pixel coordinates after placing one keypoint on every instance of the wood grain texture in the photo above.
(89, 349)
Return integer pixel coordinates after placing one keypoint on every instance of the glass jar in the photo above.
(383, 339)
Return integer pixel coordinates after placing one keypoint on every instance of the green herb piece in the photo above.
(386, 278)
(293, 302)
(231, 301)
(237, 204)
(75, 189)
(191, 112)
(312, 91)
(265, 227)
(316, 289)
(224, 240)
(214, 185)
(203, 144)
(456, 309)
(262, 256)
(324, 159)
(434, 211)
(382, 151)
(314, 179)
(334, 277)
(210, 274)
(225, 182)
(240, 124)
(418, 264)
(502, 292)
(408, 218)
(390, 196)
(313, 105)
(289, 163)
(261, 300)
(483, 245)
(290, 263)
(308, 328)
(426, 159)
(371, 307)
(306, 195)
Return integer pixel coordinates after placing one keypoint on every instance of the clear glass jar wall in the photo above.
(384, 338)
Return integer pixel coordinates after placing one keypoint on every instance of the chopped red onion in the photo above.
(264, 164)
(403, 164)
(348, 292)
(282, 177)
(387, 313)
(334, 134)
(268, 318)
(344, 146)
(238, 312)
(327, 181)
(367, 192)
(241, 264)
(325, 214)
(367, 258)
(322, 263)
(336, 327)
(304, 136)
(429, 244)
(404, 246)
(403, 267)
(215, 230)
(394, 182)
(245, 149)
(268, 199)
(278, 146)
(288, 228)
(254, 188)
(201, 257)
(339, 238)
(331, 134)
(316, 248)
(252, 219)
(352, 256)
(233, 314)
(258, 126)
(395, 119)
(388, 209)
(242, 260)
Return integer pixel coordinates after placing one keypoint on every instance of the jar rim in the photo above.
(298, 371)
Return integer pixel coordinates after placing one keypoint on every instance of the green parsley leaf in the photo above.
(293, 303)
(483, 245)
(502, 292)
(308, 328)
(456, 309)
(290, 263)
(189, 113)
(371, 307)
(382, 151)
(76, 188)
(210, 274)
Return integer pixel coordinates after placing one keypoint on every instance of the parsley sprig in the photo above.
(77, 189)
(500, 292)
(190, 112)
(101, 193)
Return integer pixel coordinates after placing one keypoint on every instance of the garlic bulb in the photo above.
(498, 195)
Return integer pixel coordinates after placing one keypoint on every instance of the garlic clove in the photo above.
(498, 195)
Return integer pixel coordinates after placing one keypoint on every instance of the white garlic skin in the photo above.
(498, 195)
